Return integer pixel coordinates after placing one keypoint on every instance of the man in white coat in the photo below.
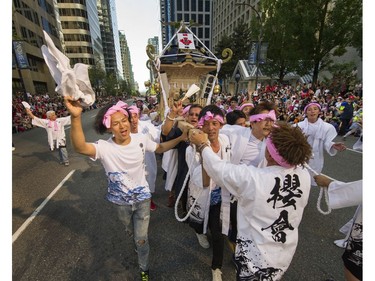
(271, 201)
(55, 128)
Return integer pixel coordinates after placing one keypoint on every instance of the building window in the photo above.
(179, 5)
(207, 6)
(207, 19)
(193, 5)
(200, 5)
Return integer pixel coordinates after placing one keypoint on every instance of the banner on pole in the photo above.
(262, 53)
(20, 55)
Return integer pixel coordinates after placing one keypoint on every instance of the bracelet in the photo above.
(172, 119)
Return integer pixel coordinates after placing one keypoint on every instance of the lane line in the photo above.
(35, 213)
(354, 150)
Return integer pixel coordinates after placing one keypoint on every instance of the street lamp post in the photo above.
(237, 78)
(259, 39)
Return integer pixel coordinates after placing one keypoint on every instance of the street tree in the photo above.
(239, 42)
(304, 37)
(110, 84)
(96, 76)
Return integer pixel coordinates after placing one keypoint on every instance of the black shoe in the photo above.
(144, 276)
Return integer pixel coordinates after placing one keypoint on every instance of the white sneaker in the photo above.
(202, 239)
(216, 275)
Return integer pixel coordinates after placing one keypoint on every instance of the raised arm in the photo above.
(169, 121)
(28, 111)
(76, 132)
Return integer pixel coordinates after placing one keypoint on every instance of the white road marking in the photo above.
(354, 150)
(35, 213)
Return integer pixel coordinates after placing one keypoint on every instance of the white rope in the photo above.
(322, 190)
(182, 191)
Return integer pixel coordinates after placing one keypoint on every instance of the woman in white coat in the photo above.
(320, 136)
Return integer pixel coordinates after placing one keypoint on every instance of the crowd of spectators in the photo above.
(290, 101)
(40, 104)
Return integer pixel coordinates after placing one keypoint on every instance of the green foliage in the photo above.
(110, 84)
(342, 74)
(240, 43)
(302, 36)
(96, 76)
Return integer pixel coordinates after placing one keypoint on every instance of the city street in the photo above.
(77, 235)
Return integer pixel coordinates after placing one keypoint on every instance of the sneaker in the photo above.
(66, 163)
(216, 274)
(203, 241)
(152, 205)
(144, 275)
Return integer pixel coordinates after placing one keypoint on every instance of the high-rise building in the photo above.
(227, 15)
(81, 31)
(110, 37)
(126, 59)
(197, 11)
(29, 71)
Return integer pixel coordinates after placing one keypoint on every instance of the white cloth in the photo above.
(202, 194)
(271, 201)
(55, 130)
(70, 82)
(320, 136)
(341, 194)
(169, 157)
(238, 137)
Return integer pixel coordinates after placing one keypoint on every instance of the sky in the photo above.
(139, 19)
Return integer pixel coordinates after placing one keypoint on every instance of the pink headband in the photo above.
(246, 104)
(311, 104)
(133, 109)
(119, 106)
(262, 116)
(186, 109)
(209, 116)
(275, 154)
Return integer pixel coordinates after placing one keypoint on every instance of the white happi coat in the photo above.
(197, 192)
(341, 195)
(271, 201)
(320, 136)
(55, 130)
(147, 128)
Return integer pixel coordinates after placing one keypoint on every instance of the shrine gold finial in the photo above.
(150, 51)
(227, 54)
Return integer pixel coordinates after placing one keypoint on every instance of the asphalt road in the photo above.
(77, 235)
